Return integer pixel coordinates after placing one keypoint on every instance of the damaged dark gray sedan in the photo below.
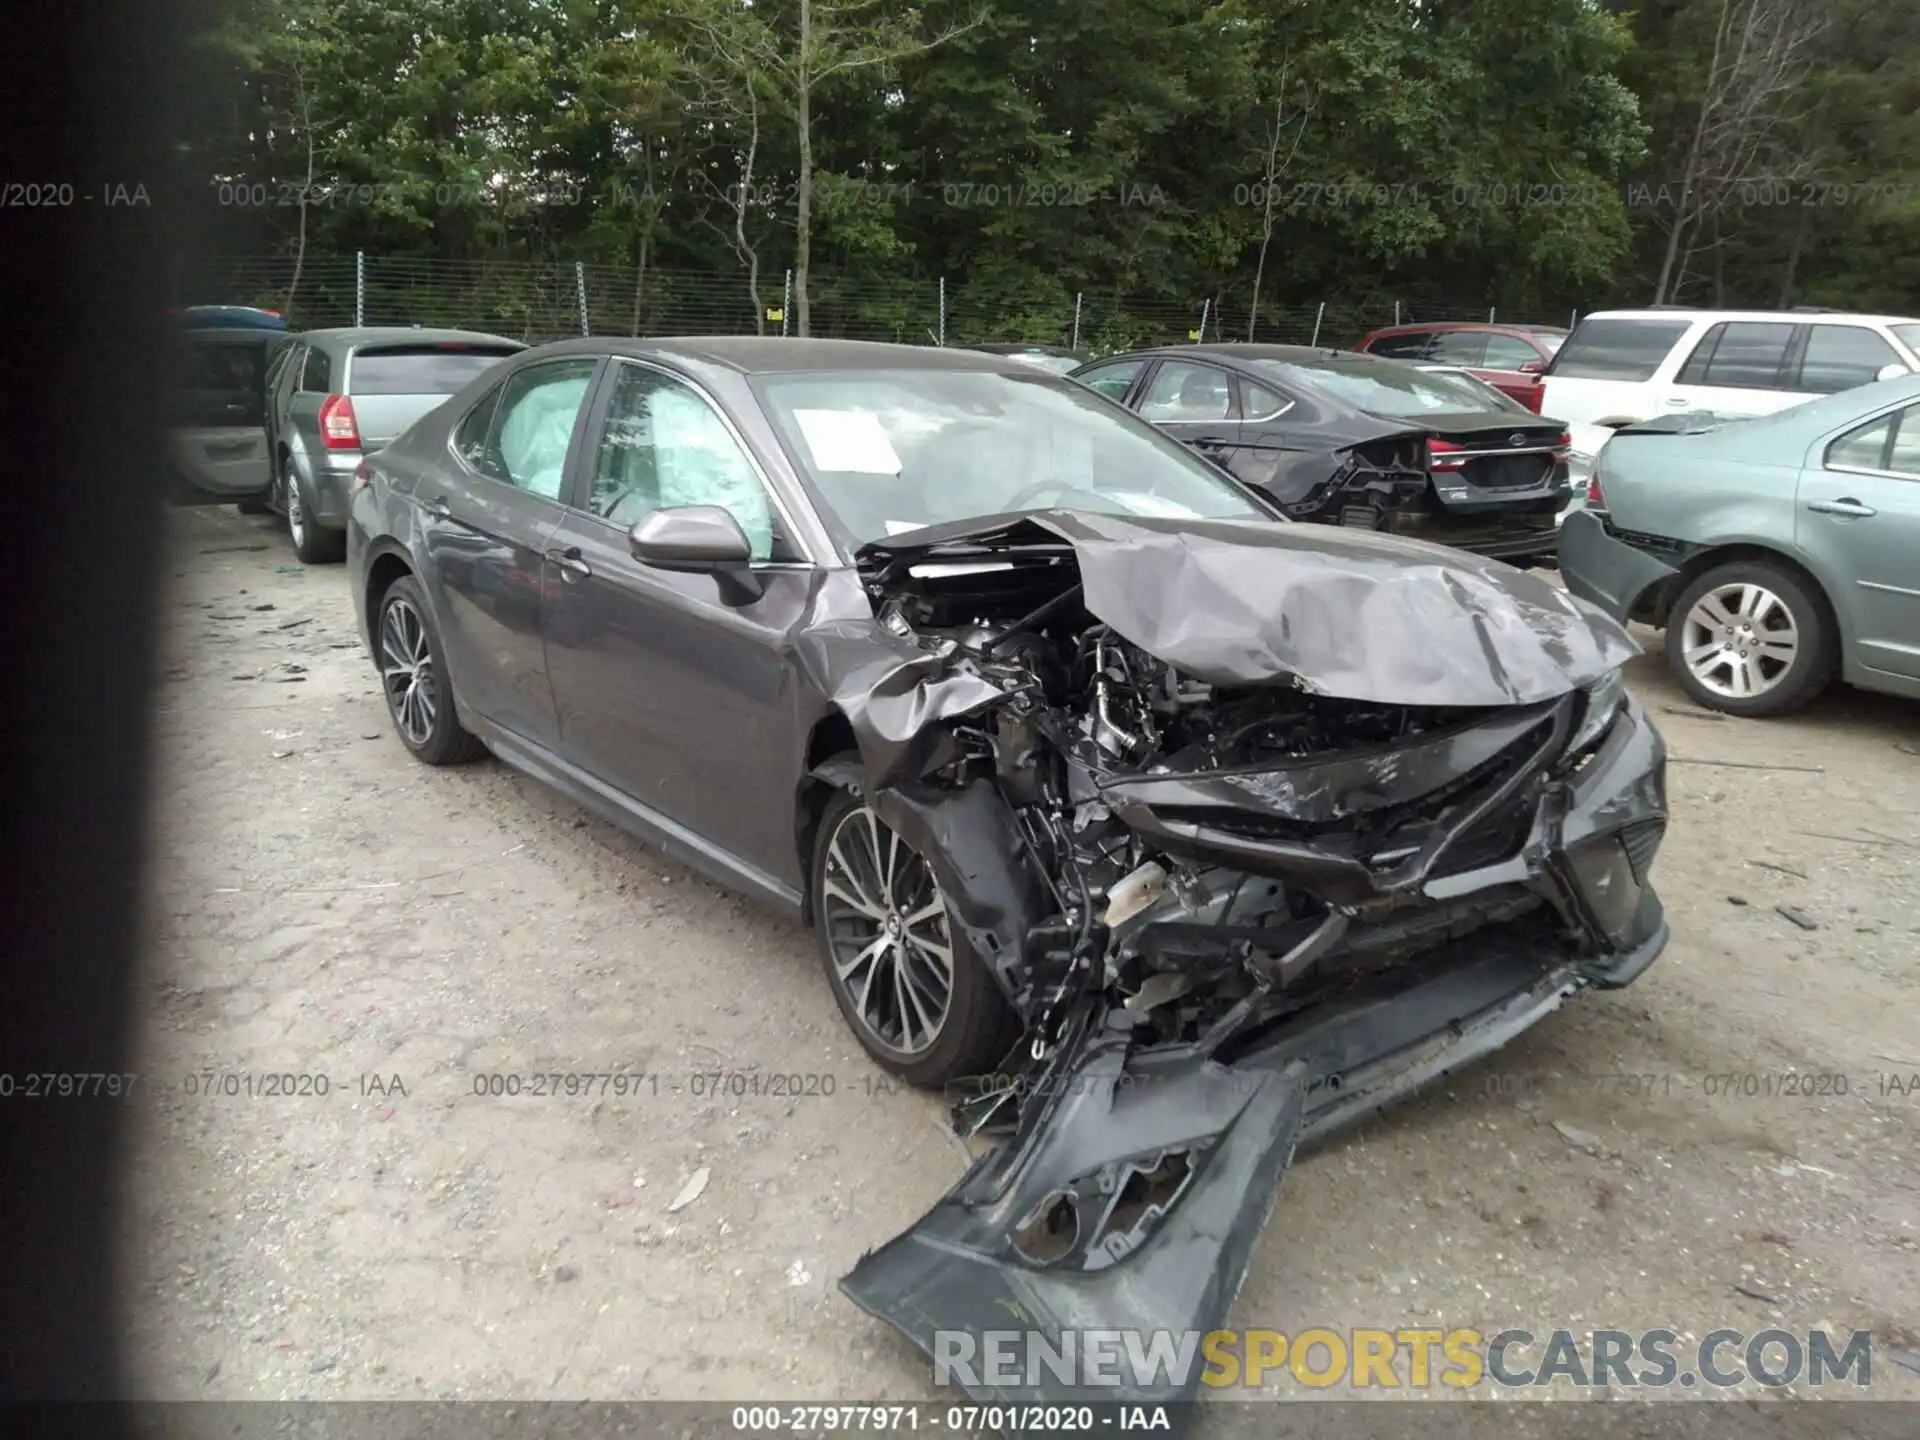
(1165, 833)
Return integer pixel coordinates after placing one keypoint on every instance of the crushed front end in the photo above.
(1235, 910)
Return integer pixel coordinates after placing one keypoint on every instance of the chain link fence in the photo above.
(537, 301)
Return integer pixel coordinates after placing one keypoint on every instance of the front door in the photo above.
(1858, 519)
(672, 688)
(487, 529)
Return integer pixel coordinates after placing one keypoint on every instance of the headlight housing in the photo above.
(1605, 699)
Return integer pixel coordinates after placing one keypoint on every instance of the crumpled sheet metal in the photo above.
(895, 695)
(1353, 615)
(1346, 613)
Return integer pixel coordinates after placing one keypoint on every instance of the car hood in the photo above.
(1346, 613)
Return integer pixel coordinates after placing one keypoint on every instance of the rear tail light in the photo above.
(1595, 500)
(1533, 397)
(1445, 455)
(339, 430)
(1563, 447)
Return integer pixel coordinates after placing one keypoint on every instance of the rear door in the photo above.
(1858, 520)
(1196, 403)
(487, 523)
(219, 447)
(1738, 367)
(393, 385)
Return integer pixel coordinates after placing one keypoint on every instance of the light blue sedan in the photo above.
(1779, 552)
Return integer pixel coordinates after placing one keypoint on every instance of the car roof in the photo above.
(1501, 327)
(1023, 349)
(1234, 352)
(354, 336)
(1802, 317)
(781, 355)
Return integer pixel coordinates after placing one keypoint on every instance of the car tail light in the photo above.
(1445, 455)
(1595, 500)
(362, 477)
(1563, 446)
(339, 430)
(1533, 397)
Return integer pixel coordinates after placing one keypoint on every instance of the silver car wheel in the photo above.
(1739, 640)
(886, 924)
(296, 512)
(406, 672)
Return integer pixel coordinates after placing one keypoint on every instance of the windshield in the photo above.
(894, 450)
(1391, 388)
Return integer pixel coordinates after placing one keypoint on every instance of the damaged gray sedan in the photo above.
(1163, 833)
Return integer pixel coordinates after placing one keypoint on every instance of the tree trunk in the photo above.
(640, 280)
(745, 194)
(1266, 219)
(1793, 260)
(300, 248)
(803, 200)
(1709, 101)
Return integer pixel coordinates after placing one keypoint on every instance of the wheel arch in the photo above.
(832, 762)
(386, 563)
(1660, 603)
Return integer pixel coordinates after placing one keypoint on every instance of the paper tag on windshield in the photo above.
(848, 440)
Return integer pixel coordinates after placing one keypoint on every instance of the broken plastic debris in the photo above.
(690, 1192)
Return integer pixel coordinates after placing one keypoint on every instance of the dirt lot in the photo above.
(324, 906)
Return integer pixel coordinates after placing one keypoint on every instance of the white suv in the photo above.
(1623, 366)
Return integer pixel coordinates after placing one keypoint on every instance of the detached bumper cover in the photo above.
(1603, 570)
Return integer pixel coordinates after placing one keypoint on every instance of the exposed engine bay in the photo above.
(1240, 865)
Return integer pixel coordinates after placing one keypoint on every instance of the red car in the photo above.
(1510, 358)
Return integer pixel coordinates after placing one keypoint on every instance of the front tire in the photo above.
(1752, 639)
(413, 676)
(918, 999)
(312, 542)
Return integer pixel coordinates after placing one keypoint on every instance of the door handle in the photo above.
(1846, 505)
(570, 562)
(1676, 400)
(439, 508)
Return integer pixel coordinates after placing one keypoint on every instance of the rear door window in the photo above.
(317, 375)
(1839, 357)
(1617, 349)
(1460, 347)
(1739, 355)
(430, 369)
(1181, 391)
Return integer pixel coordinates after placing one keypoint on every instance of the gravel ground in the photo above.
(323, 906)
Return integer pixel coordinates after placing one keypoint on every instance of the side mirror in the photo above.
(1892, 370)
(1532, 367)
(691, 538)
